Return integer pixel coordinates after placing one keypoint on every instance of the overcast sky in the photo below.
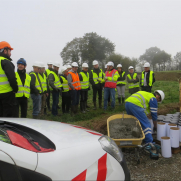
(39, 30)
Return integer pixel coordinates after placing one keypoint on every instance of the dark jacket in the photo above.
(91, 80)
(147, 78)
(34, 90)
(121, 78)
(8, 68)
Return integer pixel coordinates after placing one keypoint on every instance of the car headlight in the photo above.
(110, 147)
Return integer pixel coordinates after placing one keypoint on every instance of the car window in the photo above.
(4, 137)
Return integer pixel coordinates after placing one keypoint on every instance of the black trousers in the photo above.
(21, 102)
(95, 91)
(7, 105)
(146, 88)
(66, 102)
(83, 95)
(48, 100)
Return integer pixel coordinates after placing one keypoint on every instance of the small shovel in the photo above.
(135, 131)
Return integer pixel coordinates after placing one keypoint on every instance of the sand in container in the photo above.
(168, 128)
(166, 147)
(179, 133)
(161, 130)
(174, 136)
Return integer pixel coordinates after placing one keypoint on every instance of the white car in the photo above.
(32, 149)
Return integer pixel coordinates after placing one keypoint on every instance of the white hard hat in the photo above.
(146, 64)
(37, 64)
(74, 64)
(119, 65)
(63, 69)
(68, 66)
(42, 65)
(106, 66)
(85, 65)
(56, 64)
(95, 62)
(50, 63)
(130, 67)
(162, 94)
(110, 64)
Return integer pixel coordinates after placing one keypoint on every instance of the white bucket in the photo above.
(168, 128)
(174, 136)
(161, 130)
(179, 133)
(166, 147)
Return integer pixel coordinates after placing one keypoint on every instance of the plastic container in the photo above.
(161, 130)
(179, 126)
(168, 128)
(166, 147)
(132, 142)
(174, 136)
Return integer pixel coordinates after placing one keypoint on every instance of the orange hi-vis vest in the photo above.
(110, 83)
(75, 81)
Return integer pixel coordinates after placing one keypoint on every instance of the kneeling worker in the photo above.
(142, 103)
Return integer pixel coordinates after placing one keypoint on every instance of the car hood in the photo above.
(63, 135)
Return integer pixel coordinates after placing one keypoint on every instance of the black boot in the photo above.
(76, 109)
(94, 105)
(72, 110)
(87, 105)
(45, 111)
(123, 98)
(100, 104)
(82, 107)
(119, 100)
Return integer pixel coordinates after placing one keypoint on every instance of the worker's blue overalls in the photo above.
(139, 113)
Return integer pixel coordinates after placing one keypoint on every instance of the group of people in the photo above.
(17, 87)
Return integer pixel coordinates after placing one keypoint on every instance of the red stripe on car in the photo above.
(80, 177)
(94, 133)
(102, 168)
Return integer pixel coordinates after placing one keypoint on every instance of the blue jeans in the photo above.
(55, 96)
(75, 94)
(36, 104)
(139, 113)
(109, 92)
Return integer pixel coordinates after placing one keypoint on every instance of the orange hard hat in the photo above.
(4, 44)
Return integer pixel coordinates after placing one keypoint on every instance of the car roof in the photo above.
(63, 135)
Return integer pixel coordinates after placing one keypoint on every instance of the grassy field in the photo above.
(171, 89)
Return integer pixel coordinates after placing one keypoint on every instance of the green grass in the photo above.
(171, 89)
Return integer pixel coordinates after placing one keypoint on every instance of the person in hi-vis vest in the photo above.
(8, 83)
(55, 87)
(36, 95)
(84, 81)
(147, 78)
(133, 80)
(66, 98)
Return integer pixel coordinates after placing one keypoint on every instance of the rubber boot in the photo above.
(85, 104)
(76, 109)
(82, 107)
(100, 104)
(94, 105)
(119, 100)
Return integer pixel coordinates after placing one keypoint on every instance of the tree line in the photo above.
(95, 47)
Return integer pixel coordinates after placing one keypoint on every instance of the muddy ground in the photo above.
(148, 169)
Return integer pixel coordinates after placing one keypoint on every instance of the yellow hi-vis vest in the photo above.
(65, 84)
(132, 85)
(123, 81)
(48, 72)
(43, 82)
(95, 77)
(150, 78)
(141, 99)
(85, 82)
(23, 90)
(4, 83)
(37, 84)
(57, 82)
